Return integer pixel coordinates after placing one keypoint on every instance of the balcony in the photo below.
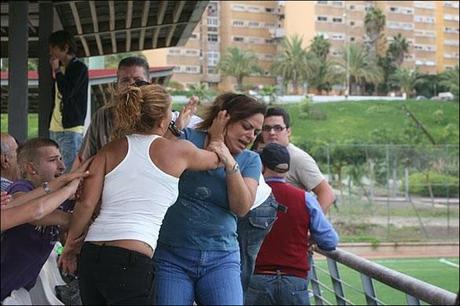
(211, 78)
(277, 33)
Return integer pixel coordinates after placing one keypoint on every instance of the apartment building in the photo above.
(431, 27)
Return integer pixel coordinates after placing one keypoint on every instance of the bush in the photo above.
(438, 116)
(305, 105)
(441, 184)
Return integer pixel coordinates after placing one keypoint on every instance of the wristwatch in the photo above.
(46, 187)
(174, 129)
(234, 169)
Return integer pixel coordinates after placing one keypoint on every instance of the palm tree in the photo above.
(291, 64)
(201, 90)
(406, 79)
(270, 91)
(361, 67)
(374, 23)
(322, 74)
(450, 79)
(398, 48)
(238, 63)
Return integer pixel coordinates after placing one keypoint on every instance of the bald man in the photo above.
(8, 161)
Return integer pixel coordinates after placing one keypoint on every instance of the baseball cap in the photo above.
(275, 157)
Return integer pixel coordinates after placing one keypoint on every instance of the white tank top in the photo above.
(135, 198)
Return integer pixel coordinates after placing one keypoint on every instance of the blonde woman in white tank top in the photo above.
(136, 179)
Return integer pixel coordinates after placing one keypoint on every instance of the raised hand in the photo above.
(4, 199)
(187, 112)
(218, 127)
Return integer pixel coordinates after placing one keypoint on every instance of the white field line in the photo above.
(445, 261)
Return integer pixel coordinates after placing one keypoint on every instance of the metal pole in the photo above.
(18, 36)
(45, 83)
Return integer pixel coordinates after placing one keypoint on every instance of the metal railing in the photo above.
(414, 289)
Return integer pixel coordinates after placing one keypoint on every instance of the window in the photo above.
(269, 40)
(212, 70)
(191, 52)
(352, 23)
(177, 69)
(253, 24)
(321, 2)
(337, 19)
(238, 23)
(352, 39)
(192, 69)
(321, 18)
(212, 9)
(268, 10)
(254, 9)
(212, 21)
(213, 58)
(238, 7)
(213, 38)
(351, 7)
(337, 3)
(238, 39)
(194, 36)
(213, 29)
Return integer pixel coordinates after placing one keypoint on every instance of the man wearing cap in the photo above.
(280, 276)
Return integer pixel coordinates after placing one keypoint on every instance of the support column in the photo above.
(18, 36)
(45, 81)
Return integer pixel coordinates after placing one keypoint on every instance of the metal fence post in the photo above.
(412, 300)
(314, 281)
(368, 287)
(336, 281)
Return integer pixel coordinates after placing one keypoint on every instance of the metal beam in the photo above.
(144, 20)
(46, 12)
(17, 69)
(112, 25)
(76, 18)
(161, 12)
(200, 7)
(129, 20)
(92, 7)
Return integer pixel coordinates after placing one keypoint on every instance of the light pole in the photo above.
(347, 63)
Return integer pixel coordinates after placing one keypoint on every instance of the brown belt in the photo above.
(270, 272)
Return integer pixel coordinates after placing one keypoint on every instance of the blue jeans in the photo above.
(69, 145)
(252, 230)
(277, 290)
(186, 275)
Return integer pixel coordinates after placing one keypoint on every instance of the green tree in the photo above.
(406, 79)
(397, 49)
(291, 63)
(361, 67)
(201, 90)
(320, 47)
(270, 91)
(374, 24)
(322, 74)
(239, 64)
(450, 79)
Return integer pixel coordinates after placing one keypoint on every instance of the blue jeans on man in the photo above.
(277, 290)
(69, 145)
(252, 230)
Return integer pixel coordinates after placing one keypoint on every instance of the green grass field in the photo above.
(357, 120)
(430, 270)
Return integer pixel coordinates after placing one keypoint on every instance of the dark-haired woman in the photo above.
(197, 257)
(136, 179)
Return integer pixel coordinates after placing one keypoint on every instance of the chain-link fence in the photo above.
(393, 192)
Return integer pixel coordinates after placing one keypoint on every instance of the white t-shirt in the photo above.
(262, 193)
(303, 171)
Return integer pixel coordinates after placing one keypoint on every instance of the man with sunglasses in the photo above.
(132, 70)
(304, 172)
